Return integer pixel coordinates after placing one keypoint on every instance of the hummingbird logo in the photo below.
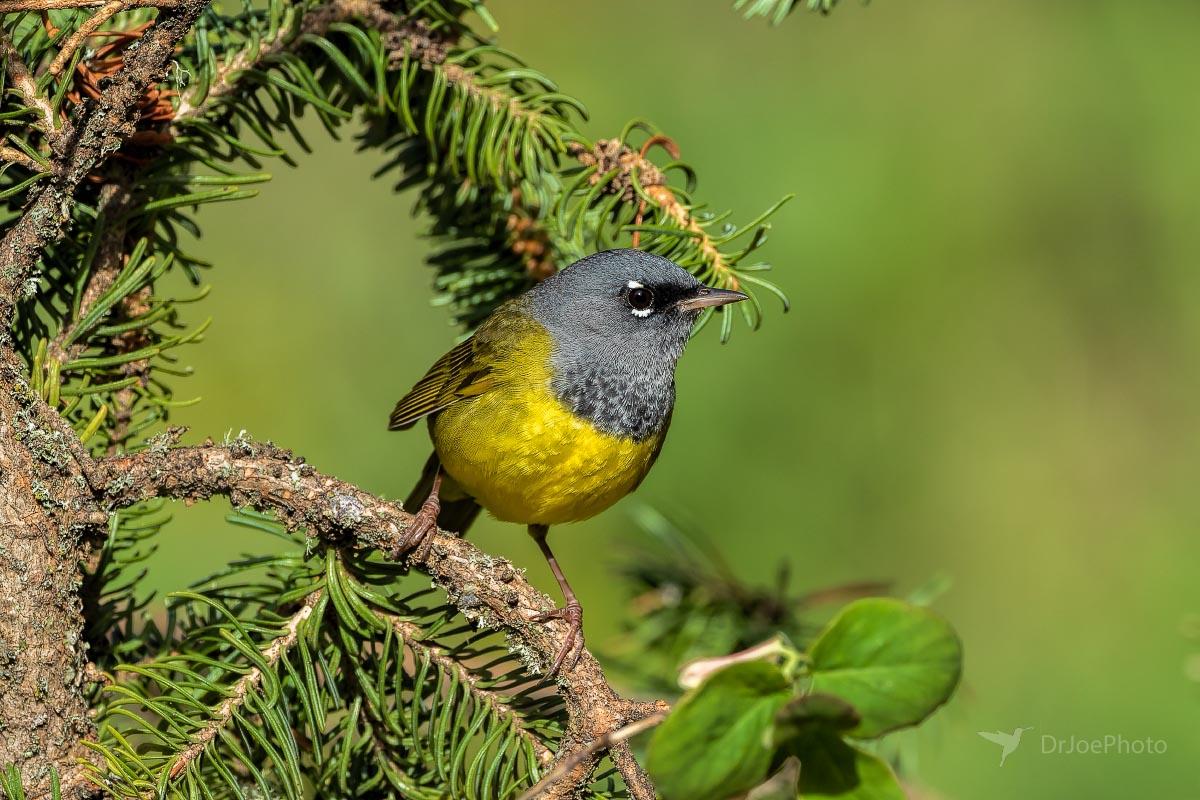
(1008, 741)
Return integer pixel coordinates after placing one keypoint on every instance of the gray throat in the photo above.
(620, 378)
(632, 400)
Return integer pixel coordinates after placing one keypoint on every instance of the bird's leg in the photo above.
(418, 535)
(571, 612)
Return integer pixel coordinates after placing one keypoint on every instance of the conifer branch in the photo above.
(398, 32)
(23, 81)
(79, 149)
(487, 591)
(230, 71)
(246, 684)
(89, 27)
(513, 187)
(413, 638)
(115, 200)
(635, 178)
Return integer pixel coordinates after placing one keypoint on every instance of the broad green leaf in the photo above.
(831, 768)
(894, 662)
(716, 742)
(814, 711)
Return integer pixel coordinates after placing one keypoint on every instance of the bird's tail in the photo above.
(458, 511)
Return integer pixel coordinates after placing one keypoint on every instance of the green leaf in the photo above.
(831, 768)
(814, 711)
(716, 742)
(894, 662)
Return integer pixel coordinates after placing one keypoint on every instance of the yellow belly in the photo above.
(526, 458)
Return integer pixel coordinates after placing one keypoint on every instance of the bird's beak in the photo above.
(707, 296)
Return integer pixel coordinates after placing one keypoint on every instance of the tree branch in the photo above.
(11, 155)
(102, 129)
(610, 154)
(8, 6)
(488, 591)
(317, 21)
(43, 716)
(608, 741)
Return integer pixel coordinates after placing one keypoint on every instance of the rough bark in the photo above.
(45, 505)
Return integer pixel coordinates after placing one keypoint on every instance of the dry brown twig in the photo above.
(88, 28)
(11, 155)
(605, 742)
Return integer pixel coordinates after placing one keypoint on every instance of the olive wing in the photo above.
(461, 373)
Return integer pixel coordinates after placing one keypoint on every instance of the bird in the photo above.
(556, 407)
(1008, 741)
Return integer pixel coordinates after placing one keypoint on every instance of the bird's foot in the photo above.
(417, 538)
(572, 646)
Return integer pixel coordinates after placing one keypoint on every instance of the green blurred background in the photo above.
(990, 369)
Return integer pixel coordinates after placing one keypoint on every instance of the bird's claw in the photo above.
(573, 643)
(417, 538)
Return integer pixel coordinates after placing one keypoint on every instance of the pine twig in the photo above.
(11, 155)
(610, 154)
(608, 741)
(90, 26)
(247, 683)
(226, 79)
(412, 636)
(115, 200)
(23, 81)
(317, 21)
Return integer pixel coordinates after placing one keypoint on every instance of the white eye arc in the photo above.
(640, 299)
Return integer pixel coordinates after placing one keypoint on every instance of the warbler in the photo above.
(558, 405)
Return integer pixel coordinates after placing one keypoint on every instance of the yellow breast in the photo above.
(526, 457)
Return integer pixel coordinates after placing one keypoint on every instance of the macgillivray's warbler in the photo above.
(558, 404)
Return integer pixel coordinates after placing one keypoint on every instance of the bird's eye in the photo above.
(640, 298)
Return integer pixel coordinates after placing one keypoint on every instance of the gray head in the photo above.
(620, 320)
